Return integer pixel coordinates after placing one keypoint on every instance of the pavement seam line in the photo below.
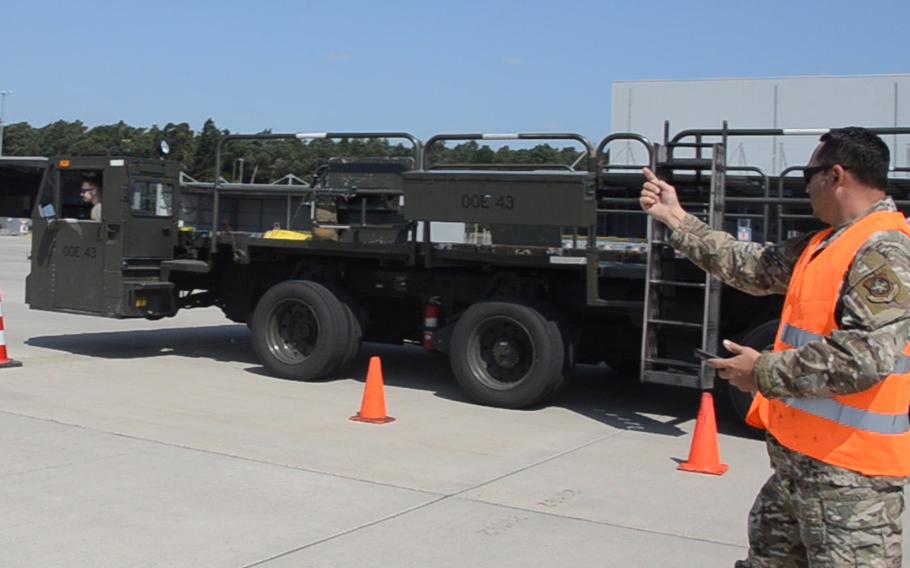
(347, 531)
(440, 499)
(59, 465)
(600, 522)
(537, 463)
(222, 454)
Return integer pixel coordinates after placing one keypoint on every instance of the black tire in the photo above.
(355, 337)
(760, 338)
(507, 354)
(300, 331)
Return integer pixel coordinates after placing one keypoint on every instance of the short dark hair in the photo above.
(859, 150)
(92, 179)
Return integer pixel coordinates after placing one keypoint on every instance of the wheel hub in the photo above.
(294, 332)
(506, 353)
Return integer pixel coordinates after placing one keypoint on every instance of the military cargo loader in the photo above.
(571, 270)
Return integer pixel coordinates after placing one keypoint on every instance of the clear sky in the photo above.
(423, 67)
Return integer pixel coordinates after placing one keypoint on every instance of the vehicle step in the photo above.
(673, 363)
(679, 283)
(186, 265)
(676, 323)
(669, 378)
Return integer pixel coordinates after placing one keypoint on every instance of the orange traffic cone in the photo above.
(704, 457)
(5, 361)
(373, 407)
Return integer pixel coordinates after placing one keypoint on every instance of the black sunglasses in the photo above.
(809, 172)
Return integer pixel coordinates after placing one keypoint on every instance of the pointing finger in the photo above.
(652, 186)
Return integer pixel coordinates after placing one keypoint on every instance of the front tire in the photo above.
(300, 331)
(507, 354)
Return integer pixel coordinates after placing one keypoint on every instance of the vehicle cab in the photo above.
(105, 264)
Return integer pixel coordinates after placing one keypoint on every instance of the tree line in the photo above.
(262, 161)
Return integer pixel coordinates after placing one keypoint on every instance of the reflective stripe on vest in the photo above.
(831, 409)
(799, 337)
(840, 413)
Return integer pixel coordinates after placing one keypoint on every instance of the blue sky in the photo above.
(424, 67)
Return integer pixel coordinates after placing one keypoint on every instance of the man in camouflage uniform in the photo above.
(811, 513)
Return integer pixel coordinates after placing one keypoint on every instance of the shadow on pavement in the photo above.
(594, 391)
(229, 342)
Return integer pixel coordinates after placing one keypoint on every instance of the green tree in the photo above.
(19, 139)
(58, 138)
(204, 149)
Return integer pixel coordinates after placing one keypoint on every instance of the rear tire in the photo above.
(507, 354)
(355, 338)
(300, 331)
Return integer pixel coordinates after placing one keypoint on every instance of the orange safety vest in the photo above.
(868, 431)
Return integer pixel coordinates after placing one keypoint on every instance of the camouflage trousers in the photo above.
(795, 522)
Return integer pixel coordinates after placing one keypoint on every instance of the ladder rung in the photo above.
(688, 164)
(676, 323)
(679, 283)
(670, 378)
(673, 363)
(693, 144)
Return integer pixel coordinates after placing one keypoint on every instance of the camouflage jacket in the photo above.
(873, 311)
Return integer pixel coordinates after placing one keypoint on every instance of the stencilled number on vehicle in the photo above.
(485, 201)
(73, 251)
(475, 201)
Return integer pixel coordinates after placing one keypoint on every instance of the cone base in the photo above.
(385, 420)
(718, 469)
(10, 363)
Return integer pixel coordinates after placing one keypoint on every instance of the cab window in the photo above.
(151, 199)
(74, 202)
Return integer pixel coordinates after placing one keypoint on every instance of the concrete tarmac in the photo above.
(137, 443)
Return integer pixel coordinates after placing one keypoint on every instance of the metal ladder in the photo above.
(657, 367)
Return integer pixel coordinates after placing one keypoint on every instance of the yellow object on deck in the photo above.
(288, 235)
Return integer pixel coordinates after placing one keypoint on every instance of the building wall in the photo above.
(785, 102)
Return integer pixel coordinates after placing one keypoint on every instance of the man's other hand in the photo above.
(739, 369)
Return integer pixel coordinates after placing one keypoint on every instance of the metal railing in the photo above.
(219, 186)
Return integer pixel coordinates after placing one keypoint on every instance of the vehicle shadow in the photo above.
(230, 342)
(594, 391)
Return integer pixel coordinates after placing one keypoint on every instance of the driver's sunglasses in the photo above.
(809, 172)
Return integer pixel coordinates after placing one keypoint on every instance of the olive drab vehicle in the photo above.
(109, 267)
(561, 266)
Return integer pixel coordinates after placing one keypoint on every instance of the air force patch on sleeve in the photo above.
(879, 288)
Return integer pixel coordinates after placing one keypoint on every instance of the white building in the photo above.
(784, 102)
